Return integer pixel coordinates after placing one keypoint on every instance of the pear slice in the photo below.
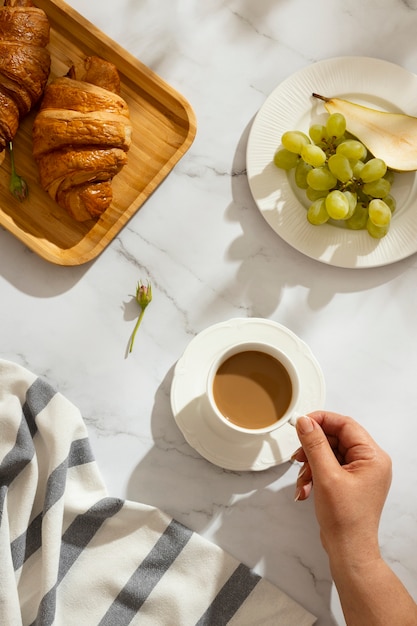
(391, 137)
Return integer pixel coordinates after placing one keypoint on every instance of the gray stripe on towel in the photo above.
(80, 453)
(18, 457)
(23, 450)
(74, 540)
(37, 397)
(81, 531)
(28, 542)
(230, 597)
(147, 576)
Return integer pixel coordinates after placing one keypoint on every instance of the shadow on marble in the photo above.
(33, 275)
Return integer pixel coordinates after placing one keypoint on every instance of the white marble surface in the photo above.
(211, 256)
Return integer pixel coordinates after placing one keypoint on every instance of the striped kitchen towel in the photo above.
(71, 555)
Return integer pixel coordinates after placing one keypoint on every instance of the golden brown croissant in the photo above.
(24, 63)
(81, 136)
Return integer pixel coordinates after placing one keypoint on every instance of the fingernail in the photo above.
(304, 425)
(297, 495)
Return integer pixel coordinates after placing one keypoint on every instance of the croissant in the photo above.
(24, 63)
(81, 136)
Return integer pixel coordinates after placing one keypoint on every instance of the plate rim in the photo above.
(376, 253)
(285, 436)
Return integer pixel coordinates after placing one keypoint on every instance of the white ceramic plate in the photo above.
(189, 404)
(367, 81)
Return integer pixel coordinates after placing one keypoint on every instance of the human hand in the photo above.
(351, 476)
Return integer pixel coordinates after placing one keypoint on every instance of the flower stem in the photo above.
(136, 329)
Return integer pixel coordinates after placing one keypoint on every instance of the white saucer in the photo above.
(189, 403)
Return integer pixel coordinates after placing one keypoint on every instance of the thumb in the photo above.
(316, 447)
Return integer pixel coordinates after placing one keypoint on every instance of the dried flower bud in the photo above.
(143, 294)
(143, 297)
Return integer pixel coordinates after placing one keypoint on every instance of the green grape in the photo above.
(357, 167)
(338, 141)
(376, 231)
(315, 194)
(337, 205)
(379, 212)
(294, 140)
(352, 199)
(336, 125)
(313, 155)
(318, 133)
(300, 175)
(372, 170)
(389, 175)
(362, 197)
(317, 213)
(377, 188)
(285, 160)
(339, 165)
(359, 218)
(391, 202)
(340, 179)
(352, 149)
(321, 178)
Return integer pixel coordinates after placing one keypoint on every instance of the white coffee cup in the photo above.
(253, 388)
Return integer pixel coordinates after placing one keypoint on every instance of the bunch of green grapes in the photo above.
(343, 182)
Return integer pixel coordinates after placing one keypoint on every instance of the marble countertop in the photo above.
(210, 257)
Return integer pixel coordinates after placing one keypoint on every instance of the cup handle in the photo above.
(294, 418)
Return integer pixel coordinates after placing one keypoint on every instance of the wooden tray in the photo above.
(163, 129)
